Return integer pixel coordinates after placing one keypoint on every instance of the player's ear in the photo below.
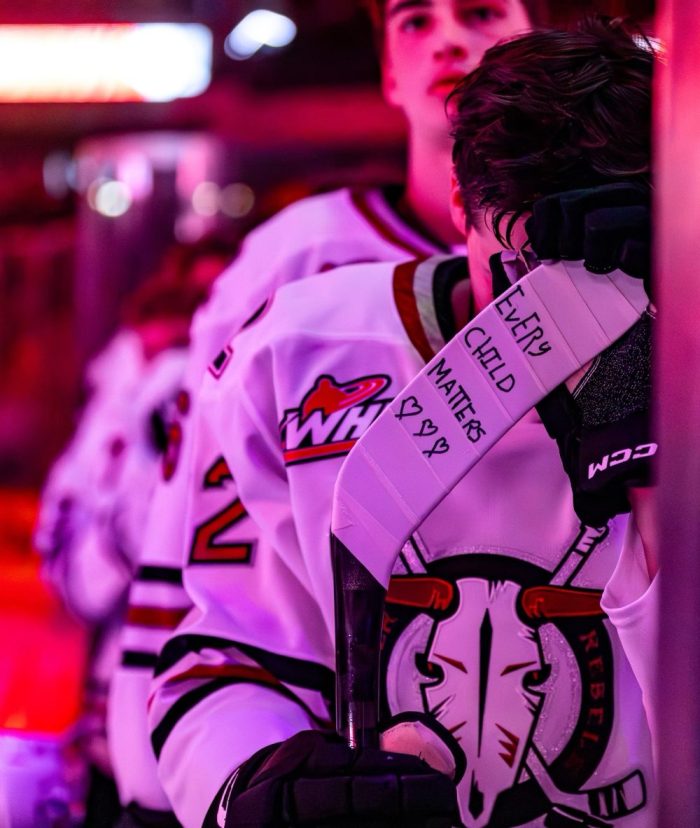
(459, 218)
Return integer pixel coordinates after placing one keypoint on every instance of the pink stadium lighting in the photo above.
(96, 63)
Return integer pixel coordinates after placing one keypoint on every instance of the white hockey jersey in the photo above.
(71, 496)
(93, 507)
(312, 236)
(493, 622)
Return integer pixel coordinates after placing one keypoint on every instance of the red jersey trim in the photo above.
(143, 616)
(301, 455)
(361, 204)
(407, 306)
(238, 671)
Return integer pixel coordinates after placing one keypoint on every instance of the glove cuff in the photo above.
(234, 784)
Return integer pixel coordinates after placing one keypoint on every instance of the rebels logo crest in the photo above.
(332, 417)
(517, 664)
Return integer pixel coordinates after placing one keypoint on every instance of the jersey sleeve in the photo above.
(157, 601)
(631, 601)
(238, 673)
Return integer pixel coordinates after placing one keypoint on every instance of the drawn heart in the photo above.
(410, 407)
(427, 429)
(441, 446)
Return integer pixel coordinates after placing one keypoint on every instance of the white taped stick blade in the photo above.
(467, 398)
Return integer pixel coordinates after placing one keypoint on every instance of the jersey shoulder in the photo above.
(118, 363)
(352, 300)
(312, 235)
(305, 222)
(375, 301)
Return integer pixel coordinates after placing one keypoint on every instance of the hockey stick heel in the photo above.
(359, 607)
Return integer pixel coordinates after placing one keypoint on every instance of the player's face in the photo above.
(429, 45)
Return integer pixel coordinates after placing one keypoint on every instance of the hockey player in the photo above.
(495, 637)
(93, 505)
(426, 48)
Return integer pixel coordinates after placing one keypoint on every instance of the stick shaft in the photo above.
(359, 608)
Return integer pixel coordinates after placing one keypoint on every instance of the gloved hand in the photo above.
(602, 427)
(609, 227)
(315, 779)
(601, 424)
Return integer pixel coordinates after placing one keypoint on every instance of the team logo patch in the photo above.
(517, 664)
(332, 417)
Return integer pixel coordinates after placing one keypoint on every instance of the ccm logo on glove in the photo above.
(617, 458)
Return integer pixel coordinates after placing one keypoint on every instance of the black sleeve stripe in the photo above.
(165, 574)
(255, 315)
(190, 700)
(135, 658)
(295, 671)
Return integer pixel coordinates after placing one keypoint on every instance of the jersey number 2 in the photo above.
(205, 548)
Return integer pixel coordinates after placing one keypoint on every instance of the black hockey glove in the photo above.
(602, 427)
(609, 227)
(315, 779)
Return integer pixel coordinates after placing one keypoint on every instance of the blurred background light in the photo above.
(136, 171)
(111, 62)
(58, 173)
(168, 61)
(261, 27)
(109, 198)
(237, 200)
(205, 198)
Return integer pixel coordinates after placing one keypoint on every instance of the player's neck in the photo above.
(428, 188)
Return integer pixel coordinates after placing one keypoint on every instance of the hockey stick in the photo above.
(545, 328)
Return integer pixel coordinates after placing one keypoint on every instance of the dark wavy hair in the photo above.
(552, 111)
(537, 11)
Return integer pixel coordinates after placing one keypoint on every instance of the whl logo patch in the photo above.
(332, 417)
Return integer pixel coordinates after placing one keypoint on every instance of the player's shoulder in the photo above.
(311, 215)
(288, 245)
(360, 298)
(344, 299)
(122, 357)
(163, 377)
(350, 301)
(376, 301)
